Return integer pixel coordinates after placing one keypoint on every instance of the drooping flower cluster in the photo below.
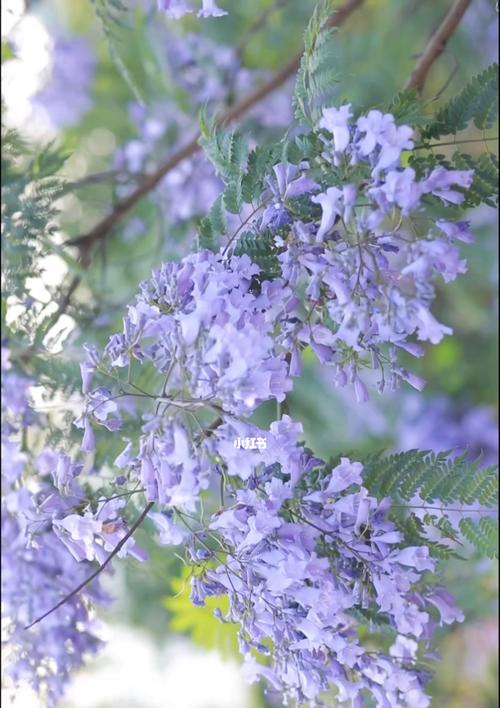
(348, 235)
(208, 331)
(304, 552)
(41, 520)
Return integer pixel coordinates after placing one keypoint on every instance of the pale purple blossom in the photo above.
(336, 122)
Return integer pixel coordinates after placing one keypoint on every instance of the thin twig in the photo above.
(99, 570)
(437, 44)
(426, 146)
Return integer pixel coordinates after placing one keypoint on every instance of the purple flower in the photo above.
(343, 475)
(400, 188)
(174, 8)
(88, 440)
(336, 121)
(444, 602)
(87, 371)
(170, 534)
(373, 125)
(289, 183)
(393, 141)
(428, 328)
(13, 460)
(456, 230)
(441, 181)
(416, 557)
(210, 9)
(331, 203)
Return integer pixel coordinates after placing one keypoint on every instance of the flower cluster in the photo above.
(210, 335)
(304, 552)
(220, 337)
(306, 555)
(41, 521)
(348, 235)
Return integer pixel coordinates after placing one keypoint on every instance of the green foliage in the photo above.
(261, 251)
(200, 622)
(113, 17)
(56, 373)
(30, 188)
(228, 152)
(477, 102)
(484, 188)
(482, 534)
(406, 106)
(213, 226)
(438, 482)
(317, 73)
(259, 163)
(432, 476)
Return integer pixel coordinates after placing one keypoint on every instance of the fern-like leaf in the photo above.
(433, 482)
(482, 534)
(477, 102)
(316, 75)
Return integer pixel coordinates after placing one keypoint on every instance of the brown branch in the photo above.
(437, 44)
(103, 228)
(99, 570)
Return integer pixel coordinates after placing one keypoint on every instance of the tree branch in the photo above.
(102, 229)
(99, 570)
(437, 44)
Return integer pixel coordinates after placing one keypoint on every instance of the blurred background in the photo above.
(118, 88)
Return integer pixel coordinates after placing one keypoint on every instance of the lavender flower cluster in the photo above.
(303, 551)
(49, 535)
(367, 271)
(223, 338)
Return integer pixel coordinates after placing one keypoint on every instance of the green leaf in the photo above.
(213, 226)
(259, 163)
(260, 249)
(30, 188)
(7, 52)
(437, 482)
(484, 188)
(198, 622)
(407, 107)
(477, 102)
(113, 15)
(482, 534)
(317, 74)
